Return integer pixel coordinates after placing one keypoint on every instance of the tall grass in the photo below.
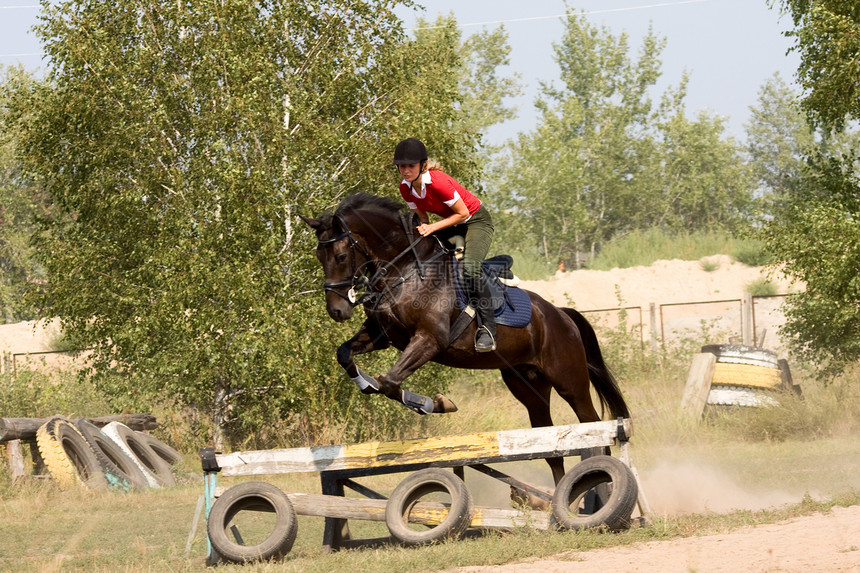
(645, 247)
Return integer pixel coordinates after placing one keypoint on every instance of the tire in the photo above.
(162, 450)
(68, 455)
(155, 469)
(252, 496)
(410, 491)
(121, 471)
(586, 476)
(734, 374)
(740, 354)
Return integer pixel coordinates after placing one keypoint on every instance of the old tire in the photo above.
(68, 455)
(586, 476)
(445, 525)
(121, 471)
(162, 450)
(252, 496)
(156, 470)
(741, 354)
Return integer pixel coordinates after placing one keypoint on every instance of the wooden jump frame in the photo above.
(338, 465)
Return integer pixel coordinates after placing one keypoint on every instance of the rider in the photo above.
(426, 189)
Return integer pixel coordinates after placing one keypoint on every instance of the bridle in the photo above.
(359, 279)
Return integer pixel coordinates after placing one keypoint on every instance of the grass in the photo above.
(805, 449)
(645, 247)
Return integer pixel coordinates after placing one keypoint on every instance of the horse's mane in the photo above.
(366, 201)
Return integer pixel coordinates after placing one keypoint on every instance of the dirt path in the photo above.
(825, 543)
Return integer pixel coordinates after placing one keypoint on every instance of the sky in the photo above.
(728, 47)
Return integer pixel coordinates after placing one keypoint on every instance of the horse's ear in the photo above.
(314, 224)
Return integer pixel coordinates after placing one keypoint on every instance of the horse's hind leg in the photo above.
(531, 388)
(570, 380)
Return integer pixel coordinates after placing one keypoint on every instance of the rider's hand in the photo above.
(424, 229)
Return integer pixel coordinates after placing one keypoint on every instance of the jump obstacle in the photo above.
(598, 491)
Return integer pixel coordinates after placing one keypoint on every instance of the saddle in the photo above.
(512, 305)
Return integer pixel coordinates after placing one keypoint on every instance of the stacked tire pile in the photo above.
(77, 452)
(747, 376)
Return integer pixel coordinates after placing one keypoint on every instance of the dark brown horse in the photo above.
(405, 284)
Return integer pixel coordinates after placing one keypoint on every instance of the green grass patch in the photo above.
(761, 287)
(645, 247)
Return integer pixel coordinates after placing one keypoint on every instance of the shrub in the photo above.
(751, 252)
(709, 265)
(761, 287)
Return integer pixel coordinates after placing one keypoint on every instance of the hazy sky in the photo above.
(729, 47)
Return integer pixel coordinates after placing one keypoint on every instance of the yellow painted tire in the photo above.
(68, 455)
(728, 374)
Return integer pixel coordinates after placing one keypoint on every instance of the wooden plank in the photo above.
(424, 513)
(26, 428)
(470, 449)
(16, 459)
(698, 384)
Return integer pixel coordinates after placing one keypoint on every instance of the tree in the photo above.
(568, 176)
(816, 240)
(179, 140)
(778, 139)
(605, 161)
(21, 202)
(702, 182)
(827, 37)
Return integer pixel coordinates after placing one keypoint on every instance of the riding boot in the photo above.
(485, 336)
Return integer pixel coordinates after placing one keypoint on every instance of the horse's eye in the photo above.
(341, 258)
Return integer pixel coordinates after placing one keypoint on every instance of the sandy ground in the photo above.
(825, 543)
(663, 282)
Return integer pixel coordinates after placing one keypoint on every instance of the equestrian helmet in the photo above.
(410, 151)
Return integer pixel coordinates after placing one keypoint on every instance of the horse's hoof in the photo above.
(442, 405)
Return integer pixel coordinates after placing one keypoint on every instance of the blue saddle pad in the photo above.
(513, 305)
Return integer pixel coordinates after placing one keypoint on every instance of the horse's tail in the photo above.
(601, 377)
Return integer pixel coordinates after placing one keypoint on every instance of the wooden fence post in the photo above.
(653, 309)
(698, 384)
(747, 324)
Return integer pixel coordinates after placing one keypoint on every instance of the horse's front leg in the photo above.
(368, 339)
(421, 349)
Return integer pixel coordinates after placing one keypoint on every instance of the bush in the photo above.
(761, 287)
(751, 252)
(37, 394)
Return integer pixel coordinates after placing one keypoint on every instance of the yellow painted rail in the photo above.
(478, 448)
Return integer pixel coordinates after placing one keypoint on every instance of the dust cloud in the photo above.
(689, 487)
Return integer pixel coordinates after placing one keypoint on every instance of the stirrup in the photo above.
(482, 348)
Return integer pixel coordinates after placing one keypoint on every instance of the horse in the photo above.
(371, 257)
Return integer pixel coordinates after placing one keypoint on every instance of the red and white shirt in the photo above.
(438, 192)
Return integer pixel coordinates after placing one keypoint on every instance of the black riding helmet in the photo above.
(410, 151)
